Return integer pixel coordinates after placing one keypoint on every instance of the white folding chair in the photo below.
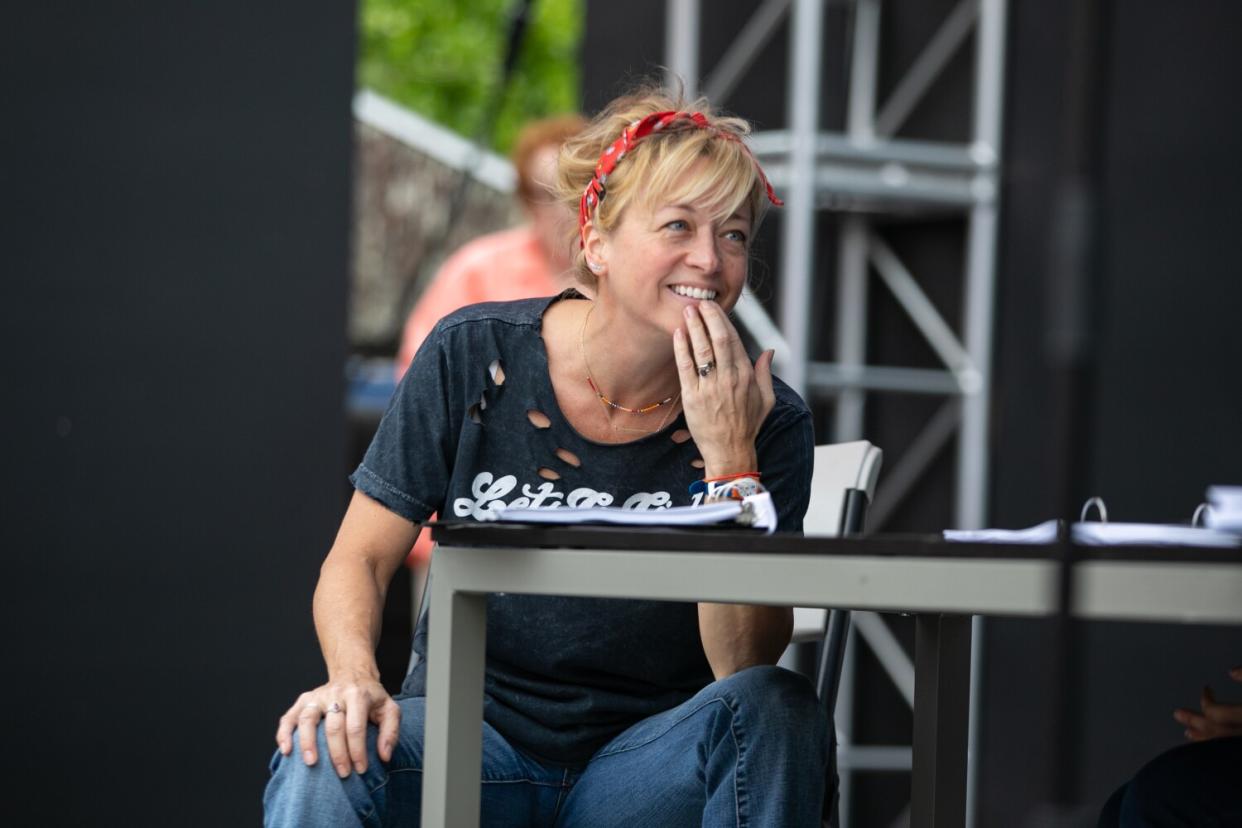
(842, 487)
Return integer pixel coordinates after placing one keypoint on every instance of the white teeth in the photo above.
(693, 292)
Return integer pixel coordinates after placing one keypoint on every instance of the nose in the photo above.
(704, 254)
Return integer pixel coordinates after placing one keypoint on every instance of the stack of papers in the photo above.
(756, 511)
(1224, 508)
(1045, 532)
(1150, 534)
(1090, 533)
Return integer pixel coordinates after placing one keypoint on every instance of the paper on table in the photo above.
(1224, 508)
(1229, 497)
(1150, 534)
(1045, 532)
(1090, 533)
(756, 511)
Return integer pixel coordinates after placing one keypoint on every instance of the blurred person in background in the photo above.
(596, 712)
(535, 259)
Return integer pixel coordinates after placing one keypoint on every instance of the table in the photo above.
(942, 584)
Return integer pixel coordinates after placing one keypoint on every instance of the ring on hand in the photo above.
(706, 368)
(335, 707)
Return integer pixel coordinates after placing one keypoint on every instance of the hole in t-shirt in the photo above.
(497, 370)
(679, 436)
(698, 463)
(569, 457)
(473, 412)
(548, 474)
(538, 419)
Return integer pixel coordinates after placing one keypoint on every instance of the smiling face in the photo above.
(648, 150)
(666, 254)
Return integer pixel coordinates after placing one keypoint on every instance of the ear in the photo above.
(595, 246)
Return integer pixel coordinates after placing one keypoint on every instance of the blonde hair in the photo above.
(654, 169)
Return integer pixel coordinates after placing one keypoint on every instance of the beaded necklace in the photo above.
(608, 404)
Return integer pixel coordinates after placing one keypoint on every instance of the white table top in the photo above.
(903, 574)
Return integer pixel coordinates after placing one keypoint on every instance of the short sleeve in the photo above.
(409, 462)
(786, 452)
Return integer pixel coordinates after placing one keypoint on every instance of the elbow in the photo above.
(786, 634)
(760, 641)
(780, 636)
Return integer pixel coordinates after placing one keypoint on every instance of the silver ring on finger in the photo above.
(335, 707)
(706, 368)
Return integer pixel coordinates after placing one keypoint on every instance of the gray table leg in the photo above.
(941, 715)
(453, 746)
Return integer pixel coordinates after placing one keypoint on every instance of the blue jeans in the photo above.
(750, 749)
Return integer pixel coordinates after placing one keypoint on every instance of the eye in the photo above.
(678, 224)
(735, 236)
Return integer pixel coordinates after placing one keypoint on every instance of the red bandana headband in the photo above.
(634, 133)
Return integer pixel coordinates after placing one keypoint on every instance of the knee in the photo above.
(783, 698)
(294, 783)
(295, 763)
(769, 686)
(301, 794)
(283, 766)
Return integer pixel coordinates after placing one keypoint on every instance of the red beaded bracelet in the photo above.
(753, 474)
(704, 485)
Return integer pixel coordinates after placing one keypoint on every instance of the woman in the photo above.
(597, 712)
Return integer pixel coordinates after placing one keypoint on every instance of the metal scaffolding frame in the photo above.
(866, 171)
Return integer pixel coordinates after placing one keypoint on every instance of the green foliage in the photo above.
(444, 58)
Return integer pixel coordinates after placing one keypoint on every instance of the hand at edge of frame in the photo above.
(1215, 719)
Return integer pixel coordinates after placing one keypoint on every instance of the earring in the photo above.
(595, 266)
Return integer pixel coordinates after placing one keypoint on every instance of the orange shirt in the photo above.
(497, 267)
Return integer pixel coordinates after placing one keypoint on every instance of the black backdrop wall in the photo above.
(175, 185)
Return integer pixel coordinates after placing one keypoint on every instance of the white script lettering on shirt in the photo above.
(490, 492)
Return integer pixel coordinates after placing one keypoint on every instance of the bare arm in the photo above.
(349, 602)
(353, 582)
(737, 636)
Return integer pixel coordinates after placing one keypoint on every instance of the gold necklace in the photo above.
(658, 428)
(609, 405)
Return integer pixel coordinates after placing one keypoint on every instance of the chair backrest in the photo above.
(839, 467)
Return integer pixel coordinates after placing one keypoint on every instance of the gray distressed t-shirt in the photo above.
(475, 423)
